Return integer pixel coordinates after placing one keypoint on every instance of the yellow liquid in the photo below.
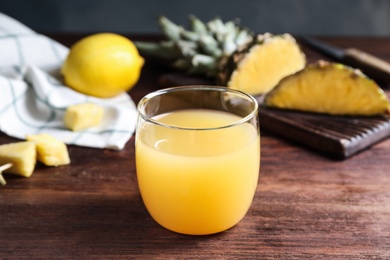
(197, 181)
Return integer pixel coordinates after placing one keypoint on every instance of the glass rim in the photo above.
(160, 92)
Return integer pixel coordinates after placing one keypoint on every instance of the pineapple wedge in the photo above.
(330, 88)
(258, 67)
(22, 156)
(82, 116)
(50, 150)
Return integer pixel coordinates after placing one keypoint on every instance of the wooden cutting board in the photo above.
(334, 136)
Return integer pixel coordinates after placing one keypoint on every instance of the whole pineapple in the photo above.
(235, 57)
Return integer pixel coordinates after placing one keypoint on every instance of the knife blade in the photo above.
(374, 67)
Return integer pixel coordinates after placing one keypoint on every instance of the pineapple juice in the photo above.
(197, 181)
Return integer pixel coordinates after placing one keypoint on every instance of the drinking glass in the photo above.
(197, 157)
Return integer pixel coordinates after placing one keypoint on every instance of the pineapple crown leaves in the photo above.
(198, 49)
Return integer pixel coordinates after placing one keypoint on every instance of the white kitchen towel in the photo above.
(33, 98)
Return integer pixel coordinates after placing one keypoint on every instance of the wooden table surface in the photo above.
(307, 206)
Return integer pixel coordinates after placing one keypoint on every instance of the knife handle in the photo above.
(370, 65)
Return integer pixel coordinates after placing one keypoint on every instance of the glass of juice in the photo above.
(197, 157)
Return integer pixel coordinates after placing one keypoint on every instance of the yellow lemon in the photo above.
(102, 65)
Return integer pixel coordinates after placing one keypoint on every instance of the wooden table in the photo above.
(307, 206)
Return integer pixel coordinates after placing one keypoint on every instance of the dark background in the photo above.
(316, 17)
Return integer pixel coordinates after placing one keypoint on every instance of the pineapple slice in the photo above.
(50, 151)
(82, 116)
(258, 67)
(329, 88)
(18, 158)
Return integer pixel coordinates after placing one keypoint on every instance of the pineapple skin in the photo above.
(50, 151)
(22, 155)
(257, 67)
(329, 88)
(82, 116)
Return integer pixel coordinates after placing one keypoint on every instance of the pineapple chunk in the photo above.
(82, 116)
(22, 156)
(258, 67)
(329, 88)
(50, 151)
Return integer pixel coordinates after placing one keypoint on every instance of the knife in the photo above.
(370, 65)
